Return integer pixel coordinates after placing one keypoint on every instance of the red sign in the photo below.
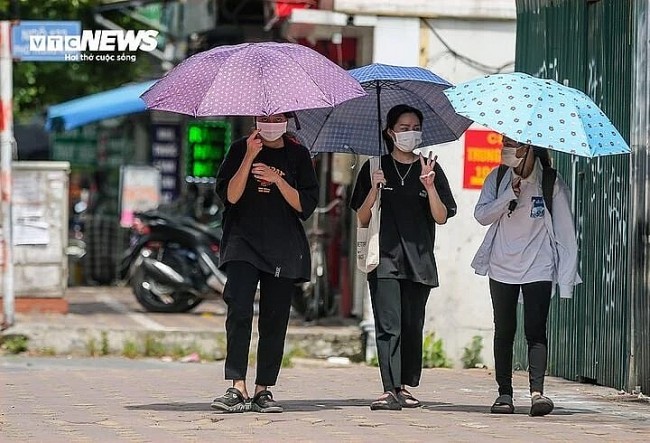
(283, 8)
(482, 154)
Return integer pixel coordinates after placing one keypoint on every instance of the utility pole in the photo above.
(6, 155)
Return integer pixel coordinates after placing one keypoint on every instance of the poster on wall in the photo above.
(139, 191)
(482, 154)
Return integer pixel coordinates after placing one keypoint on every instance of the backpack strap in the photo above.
(500, 173)
(548, 182)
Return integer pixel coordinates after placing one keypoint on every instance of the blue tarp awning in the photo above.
(114, 103)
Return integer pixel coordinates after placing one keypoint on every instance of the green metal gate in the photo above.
(588, 45)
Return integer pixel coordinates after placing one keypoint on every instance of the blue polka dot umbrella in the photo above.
(538, 112)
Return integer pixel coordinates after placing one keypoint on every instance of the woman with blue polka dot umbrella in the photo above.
(538, 112)
(530, 248)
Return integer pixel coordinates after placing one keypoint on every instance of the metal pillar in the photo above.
(6, 154)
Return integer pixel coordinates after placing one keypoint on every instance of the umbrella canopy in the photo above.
(252, 79)
(538, 112)
(108, 104)
(355, 126)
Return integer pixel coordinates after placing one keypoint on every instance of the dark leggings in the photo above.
(275, 305)
(537, 300)
(399, 308)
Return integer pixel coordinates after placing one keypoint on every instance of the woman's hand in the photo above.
(253, 145)
(428, 172)
(265, 173)
(378, 179)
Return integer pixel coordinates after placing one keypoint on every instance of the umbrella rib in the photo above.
(322, 126)
(435, 111)
(308, 75)
(219, 67)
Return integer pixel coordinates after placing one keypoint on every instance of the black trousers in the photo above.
(537, 300)
(398, 307)
(275, 305)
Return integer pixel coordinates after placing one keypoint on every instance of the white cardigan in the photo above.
(490, 209)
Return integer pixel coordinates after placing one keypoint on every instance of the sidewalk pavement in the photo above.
(111, 399)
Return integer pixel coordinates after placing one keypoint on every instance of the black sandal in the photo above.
(540, 405)
(390, 403)
(503, 405)
(407, 400)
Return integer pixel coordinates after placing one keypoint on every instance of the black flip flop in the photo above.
(503, 405)
(540, 406)
(407, 400)
(390, 403)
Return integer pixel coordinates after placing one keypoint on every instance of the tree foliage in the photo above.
(41, 84)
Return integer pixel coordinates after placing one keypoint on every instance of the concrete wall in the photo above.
(501, 9)
(396, 41)
(460, 308)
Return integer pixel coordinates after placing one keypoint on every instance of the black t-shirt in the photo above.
(262, 228)
(407, 229)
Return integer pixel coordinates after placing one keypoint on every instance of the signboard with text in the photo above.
(482, 154)
(166, 147)
(140, 191)
(43, 41)
(207, 145)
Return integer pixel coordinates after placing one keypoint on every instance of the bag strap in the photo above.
(375, 164)
(548, 182)
(500, 173)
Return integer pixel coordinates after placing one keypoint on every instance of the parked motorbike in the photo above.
(172, 263)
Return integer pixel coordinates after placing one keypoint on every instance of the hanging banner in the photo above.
(482, 154)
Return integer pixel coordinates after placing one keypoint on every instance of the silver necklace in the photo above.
(402, 178)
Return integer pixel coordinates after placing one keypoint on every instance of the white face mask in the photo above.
(271, 131)
(407, 141)
(509, 157)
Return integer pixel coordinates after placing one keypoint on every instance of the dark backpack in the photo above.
(548, 181)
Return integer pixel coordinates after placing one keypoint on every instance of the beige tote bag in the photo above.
(368, 238)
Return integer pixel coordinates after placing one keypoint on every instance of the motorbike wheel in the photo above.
(155, 297)
(313, 300)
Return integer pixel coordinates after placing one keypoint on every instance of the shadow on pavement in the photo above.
(90, 307)
(309, 405)
(175, 406)
(289, 405)
(483, 409)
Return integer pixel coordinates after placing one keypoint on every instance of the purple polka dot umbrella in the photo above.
(252, 79)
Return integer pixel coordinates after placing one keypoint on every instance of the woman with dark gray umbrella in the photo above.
(415, 196)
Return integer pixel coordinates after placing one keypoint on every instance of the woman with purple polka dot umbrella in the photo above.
(268, 185)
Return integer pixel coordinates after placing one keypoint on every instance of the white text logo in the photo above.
(105, 41)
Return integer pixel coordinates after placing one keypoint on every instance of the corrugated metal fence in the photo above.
(589, 45)
(640, 215)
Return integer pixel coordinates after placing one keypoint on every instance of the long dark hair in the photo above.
(543, 155)
(391, 120)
